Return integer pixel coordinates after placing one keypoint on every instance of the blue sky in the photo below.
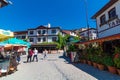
(68, 14)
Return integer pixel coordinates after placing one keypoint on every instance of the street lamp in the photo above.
(86, 12)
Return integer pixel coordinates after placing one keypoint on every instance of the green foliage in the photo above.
(98, 50)
(117, 50)
(89, 57)
(95, 58)
(117, 62)
(49, 43)
(45, 43)
(66, 38)
(108, 61)
(71, 47)
(60, 41)
(76, 38)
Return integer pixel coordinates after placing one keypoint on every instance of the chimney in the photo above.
(49, 25)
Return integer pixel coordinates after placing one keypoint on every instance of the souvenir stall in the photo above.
(16, 49)
(4, 55)
(4, 58)
(18, 45)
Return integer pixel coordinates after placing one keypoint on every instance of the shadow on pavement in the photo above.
(98, 74)
(67, 60)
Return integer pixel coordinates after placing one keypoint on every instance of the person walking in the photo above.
(30, 53)
(45, 54)
(18, 57)
(35, 53)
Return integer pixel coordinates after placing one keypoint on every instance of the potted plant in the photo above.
(95, 60)
(117, 58)
(109, 62)
(117, 64)
(100, 63)
(117, 52)
(99, 60)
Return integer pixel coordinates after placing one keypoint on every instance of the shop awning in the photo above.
(113, 37)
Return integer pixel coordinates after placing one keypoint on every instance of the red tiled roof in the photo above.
(109, 4)
(66, 31)
(42, 27)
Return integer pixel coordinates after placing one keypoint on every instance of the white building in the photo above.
(92, 33)
(39, 35)
(69, 32)
(108, 19)
(43, 34)
(21, 34)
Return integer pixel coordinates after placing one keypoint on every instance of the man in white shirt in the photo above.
(35, 53)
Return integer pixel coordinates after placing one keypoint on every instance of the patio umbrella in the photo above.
(2, 44)
(17, 42)
(5, 34)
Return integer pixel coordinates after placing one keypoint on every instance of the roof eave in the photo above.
(104, 8)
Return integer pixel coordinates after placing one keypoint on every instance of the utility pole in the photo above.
(86, 11)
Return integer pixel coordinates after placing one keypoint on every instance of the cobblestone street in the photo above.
(56, 67)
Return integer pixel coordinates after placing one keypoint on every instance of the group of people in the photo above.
(34, 54)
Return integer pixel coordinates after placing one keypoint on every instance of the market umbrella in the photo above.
(2, 44)
(17, 42)
(5, 34)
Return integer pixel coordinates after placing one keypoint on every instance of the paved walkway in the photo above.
(57, 68)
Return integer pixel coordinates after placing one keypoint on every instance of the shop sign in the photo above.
(114, 23)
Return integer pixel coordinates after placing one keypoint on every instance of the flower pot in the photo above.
(101, 66)
(95, 64)
(84, 61)
(112, 69)
(89, 63)
(118, 71)
(117, 55)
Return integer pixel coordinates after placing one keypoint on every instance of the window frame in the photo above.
(23, 37)
(111, 14)
(43, 31)
(44, 39)
(39, 31)
(54, 39)
(32, 39)
(39, 39)
(31, 32)
(53, 31)
(103, 19)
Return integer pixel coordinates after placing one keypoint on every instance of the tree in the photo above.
(76, 38)
(60, 40)
(65, 39)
